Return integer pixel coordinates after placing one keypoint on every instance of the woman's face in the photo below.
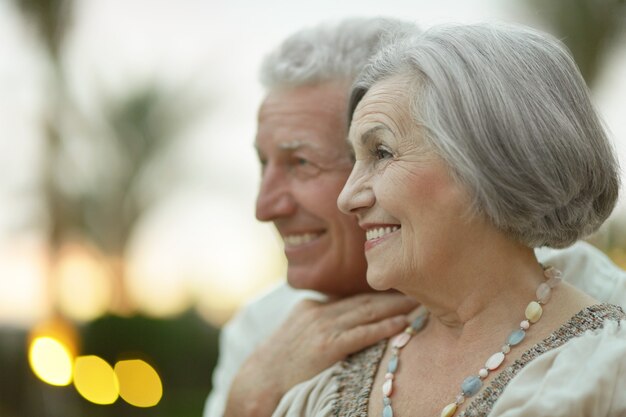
(415, 215)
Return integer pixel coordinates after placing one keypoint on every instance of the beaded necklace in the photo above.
(472, 384)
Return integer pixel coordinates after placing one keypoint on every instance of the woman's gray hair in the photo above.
(330, 51)
(508, 110)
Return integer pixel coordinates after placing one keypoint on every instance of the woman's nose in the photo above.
(356, 193)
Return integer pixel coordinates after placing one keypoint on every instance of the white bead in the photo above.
(483, 373)
(524, 325)
(388, 388)
(494, 361)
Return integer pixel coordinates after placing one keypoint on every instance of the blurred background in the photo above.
(128, 179)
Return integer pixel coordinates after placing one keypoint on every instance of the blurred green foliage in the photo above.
(183, 350)
(588, 27)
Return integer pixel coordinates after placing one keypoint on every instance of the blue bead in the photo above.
(516, 337)
(387, 411)
(386, 401)
(471, 385)
(392, 366)
(419, 322)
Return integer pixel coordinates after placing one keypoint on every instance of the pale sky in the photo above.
(207, 228)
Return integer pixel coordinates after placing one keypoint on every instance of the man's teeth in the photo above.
(380, 232)
(301, 239)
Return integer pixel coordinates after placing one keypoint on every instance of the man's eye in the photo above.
(303, 167)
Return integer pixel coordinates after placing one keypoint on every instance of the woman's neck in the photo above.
(486, 286)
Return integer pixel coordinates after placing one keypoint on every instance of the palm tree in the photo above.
(100, 201)
(588, 27)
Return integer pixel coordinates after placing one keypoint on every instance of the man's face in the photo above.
(301, 142)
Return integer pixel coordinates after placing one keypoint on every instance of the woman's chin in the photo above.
(378, 283)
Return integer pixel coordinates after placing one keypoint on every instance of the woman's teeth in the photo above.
(380, 232)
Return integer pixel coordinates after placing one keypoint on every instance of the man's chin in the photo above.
(330, 284)
(301, 279)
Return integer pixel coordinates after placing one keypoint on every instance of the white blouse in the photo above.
(584, 377)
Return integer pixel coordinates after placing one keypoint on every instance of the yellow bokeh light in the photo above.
(95, 380)
(83, 283)
(140, 384)
(51, 361)
(60, 330)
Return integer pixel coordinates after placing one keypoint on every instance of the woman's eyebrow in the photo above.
(372, 133)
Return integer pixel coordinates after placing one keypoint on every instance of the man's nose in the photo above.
(275, 198)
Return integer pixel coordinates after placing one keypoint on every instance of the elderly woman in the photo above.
(474, 145)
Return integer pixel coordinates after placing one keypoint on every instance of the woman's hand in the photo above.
(312, 338)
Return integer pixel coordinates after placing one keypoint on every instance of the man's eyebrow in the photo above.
(289, 145)
(295, 145)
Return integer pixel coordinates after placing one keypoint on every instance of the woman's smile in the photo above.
(377, 234)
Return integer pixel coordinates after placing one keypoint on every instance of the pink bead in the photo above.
(400, 340)
(552, 272)
(554, 282)
(387, 388)
(543, 293)
(524, 325)
(554, 276)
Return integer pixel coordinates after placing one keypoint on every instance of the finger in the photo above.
(360, 337)
(305, 305)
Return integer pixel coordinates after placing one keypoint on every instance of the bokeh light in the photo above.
(59, 329)
(51, 361)
(95, 380)
(23, 268)
(140, 384)
(84, 287)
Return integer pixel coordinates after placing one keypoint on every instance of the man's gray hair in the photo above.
(330, 51)
(508, 110)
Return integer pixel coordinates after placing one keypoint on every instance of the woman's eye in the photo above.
(382, 153)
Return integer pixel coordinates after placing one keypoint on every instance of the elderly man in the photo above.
(280, 340)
